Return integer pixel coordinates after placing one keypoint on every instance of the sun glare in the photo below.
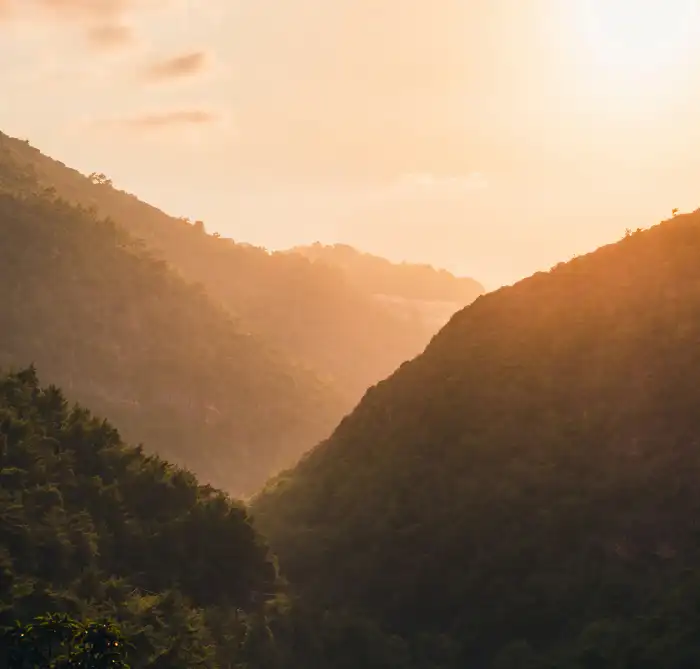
(637, 38)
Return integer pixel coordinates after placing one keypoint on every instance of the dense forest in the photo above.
(123, 333)
(311, 312)
(101, 543)
(525, 493)
(90, 527)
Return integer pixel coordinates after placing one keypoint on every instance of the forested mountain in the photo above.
(524, 493)
(311, 312)
(379, 276)
(125, 334)
(97, 530)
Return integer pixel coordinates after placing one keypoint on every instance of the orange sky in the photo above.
(492, 137)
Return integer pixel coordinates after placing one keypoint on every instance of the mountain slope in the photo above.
(423, 297)
(310, 312)
(525, 492)
(91, 527)
(379, 276)
(97, 530)
(122, 332)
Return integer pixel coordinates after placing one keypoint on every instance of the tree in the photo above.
(100, 179)
(56, 641)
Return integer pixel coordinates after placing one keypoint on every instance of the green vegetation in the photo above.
(310, 312)
(97, 530)
(377, 275)
(59, 642)
(525, 493)
(93, 531)
(123, 333)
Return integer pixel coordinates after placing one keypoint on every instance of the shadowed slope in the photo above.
(122, 332)
(529, 485)
(309, 311)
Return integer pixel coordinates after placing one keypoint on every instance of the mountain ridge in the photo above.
(99, 315)
(401, 279)
(309, 312)
(526, 486)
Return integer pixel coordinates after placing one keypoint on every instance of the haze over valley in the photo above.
(349, 335)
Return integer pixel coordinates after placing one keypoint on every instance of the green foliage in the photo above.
(527, 487)
(59, 642)
(120, 331)
(94, 529)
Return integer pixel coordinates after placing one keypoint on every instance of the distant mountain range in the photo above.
(234, 378)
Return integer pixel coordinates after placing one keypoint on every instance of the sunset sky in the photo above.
(491, 137)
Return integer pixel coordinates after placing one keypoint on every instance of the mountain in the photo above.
(123, 333)
(98, 531)
(379, 276)
(525, 492)
(310, 312)
(422, 296)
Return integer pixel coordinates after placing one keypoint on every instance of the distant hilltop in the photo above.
(380, 276)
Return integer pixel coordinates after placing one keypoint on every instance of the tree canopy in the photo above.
(97, 530)
(109, 556)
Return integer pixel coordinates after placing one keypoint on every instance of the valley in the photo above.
(349, 334)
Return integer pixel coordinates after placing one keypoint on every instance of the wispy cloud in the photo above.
(158, 120)
(184, 65)
(103, 22)
(110, 35)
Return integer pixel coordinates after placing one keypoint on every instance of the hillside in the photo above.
(99, 531)
(91, 527)
(123, 333)
(423, 297)
(379, 276)
(524, 493)
(309, 311)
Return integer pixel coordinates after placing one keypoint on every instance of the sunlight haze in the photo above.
(490, 137)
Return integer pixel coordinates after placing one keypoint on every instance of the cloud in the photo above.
(176, 67)
(169, 119)
(103, 22)
(109, 35)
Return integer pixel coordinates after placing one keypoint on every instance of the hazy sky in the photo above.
(492, 137)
